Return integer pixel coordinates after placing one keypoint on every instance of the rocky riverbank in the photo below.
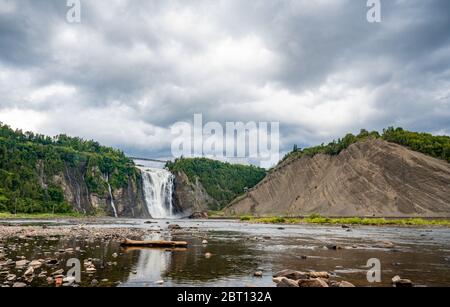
(79, 232)
(50, 245)
(297, 279)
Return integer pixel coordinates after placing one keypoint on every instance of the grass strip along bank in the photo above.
(316, 219)
(10, 216)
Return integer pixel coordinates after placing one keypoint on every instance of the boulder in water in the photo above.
(399, 282)
(333, 247)
(36, 264)
(29, 271)
(291, 274)
(58, 272)
(284, 282)
(21, 264)
(198, 215)
(312, 283)
(174, 227)
(345, 284)
(323, 275)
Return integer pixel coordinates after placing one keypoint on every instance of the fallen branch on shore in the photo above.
(128, 242)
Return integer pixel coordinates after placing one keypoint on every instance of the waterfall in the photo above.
(158, 189)
(111, 196)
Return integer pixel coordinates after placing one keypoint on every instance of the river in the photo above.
(236, 250)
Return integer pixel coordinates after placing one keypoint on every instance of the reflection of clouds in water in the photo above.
(150, 266)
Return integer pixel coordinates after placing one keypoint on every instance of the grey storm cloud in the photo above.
(132, 68)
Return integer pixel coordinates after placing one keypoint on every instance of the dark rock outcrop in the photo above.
(190, 197)
(199, 215)
(130, 201)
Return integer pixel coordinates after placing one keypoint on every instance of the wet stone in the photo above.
(312, 283)
(333, 247)
(29, 271)
(58, 272)
(52, 261)
(323, 275)
(36, 264)
(345, 284)
(284, 282)
(291, 274)
(399, 282)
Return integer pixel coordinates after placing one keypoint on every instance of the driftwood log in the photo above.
(128, 242)
(129, 249)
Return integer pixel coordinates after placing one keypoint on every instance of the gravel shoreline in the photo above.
(115, 234)
(46, 266)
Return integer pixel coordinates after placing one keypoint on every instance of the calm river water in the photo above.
(236, 250)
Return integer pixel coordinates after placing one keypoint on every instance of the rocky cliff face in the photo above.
(129, 200)
(190, 197)
(370, 178)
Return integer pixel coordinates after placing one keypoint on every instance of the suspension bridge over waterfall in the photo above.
(149, 159)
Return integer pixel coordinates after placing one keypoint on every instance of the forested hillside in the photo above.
(222, 181)
(29, 164)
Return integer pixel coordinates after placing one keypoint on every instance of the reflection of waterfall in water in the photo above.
(111, 196)
(158, 189)
(151, 265)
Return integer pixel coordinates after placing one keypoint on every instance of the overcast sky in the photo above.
(133, 68)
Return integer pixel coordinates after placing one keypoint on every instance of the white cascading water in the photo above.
(158, 189)
(111, 196)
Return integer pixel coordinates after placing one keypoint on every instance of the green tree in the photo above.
(3, 200)
(27, 159)
(435, 146)
(222, 181)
